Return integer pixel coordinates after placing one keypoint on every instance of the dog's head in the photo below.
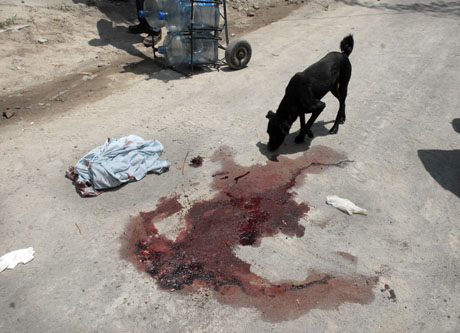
(277, 130)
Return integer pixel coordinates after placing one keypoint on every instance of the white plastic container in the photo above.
(176, 15)
(206, 15)
(176, 49)
(150, 13)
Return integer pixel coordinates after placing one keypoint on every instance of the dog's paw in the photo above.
(310, 134)
(334, 129)
(299, 138)
(342, 120)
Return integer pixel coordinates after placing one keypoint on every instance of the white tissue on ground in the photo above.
(11, 259)
(344, 205)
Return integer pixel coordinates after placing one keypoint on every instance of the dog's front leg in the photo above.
(301, 137)
(316, 108)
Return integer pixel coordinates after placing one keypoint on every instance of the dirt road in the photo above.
(309, 267)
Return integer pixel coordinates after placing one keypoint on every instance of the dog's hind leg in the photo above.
(340, 92)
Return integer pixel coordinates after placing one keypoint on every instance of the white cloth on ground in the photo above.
(117, 161)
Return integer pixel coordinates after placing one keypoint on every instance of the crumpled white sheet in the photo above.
(117, 161)
(11, 259)
(344, 205)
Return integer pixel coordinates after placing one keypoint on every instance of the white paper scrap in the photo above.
(11, 259)
(344, 205)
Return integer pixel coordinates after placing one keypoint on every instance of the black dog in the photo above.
(304, 92)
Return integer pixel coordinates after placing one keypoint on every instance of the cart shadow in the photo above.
(290, 147)
(156, 69)
(148, 67)
(227, 69)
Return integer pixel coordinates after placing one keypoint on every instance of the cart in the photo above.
(237, 52)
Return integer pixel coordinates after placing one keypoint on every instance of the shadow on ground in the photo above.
(456, 125)
(117, 36)
(444, 165)
(290, 147)
(437, 8)
(113, 30)
(120, 11)
(153, 69)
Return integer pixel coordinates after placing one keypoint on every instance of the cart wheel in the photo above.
(238, 53)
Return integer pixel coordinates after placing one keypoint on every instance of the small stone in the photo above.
(255, 6)
(250, 14)
(42, 41)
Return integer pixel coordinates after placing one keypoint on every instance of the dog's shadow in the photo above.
(290, 147)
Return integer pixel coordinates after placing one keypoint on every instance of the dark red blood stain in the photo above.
(392, 296)
(259, 205)
(196, 162)
(391, 292)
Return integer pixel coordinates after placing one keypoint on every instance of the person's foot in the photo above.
(156, 37)
(153, 39)
(138, 29)
(148, 41)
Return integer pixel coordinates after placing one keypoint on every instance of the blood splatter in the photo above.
(391, 292)
(251, 203)
(196, 162)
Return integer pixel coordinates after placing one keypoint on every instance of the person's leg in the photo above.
(153, 38)
(143, 26)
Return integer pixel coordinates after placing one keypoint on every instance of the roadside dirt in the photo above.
(67, 52)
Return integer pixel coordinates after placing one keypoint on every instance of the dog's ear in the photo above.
(285, 127)
(270, 115)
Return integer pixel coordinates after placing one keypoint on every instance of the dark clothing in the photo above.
(142, 21)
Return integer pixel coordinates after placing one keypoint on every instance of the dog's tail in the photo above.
(346, 45)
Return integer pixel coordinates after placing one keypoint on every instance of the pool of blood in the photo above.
(251, 203)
